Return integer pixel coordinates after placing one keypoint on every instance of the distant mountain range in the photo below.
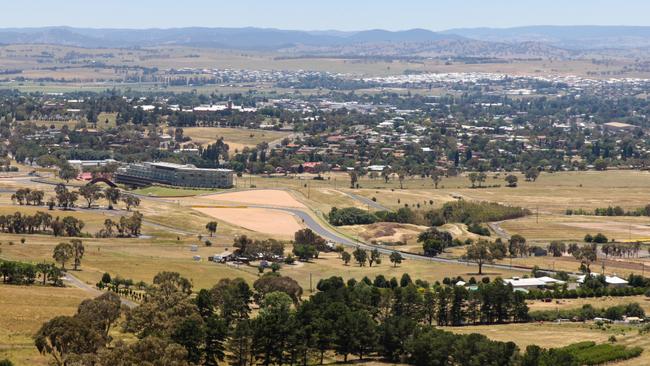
(569, 37)
(238, 38)
(534, 41)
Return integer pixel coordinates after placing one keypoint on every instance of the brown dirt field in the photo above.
(542, 334)
(387, 231)
(259, 197)
(261, 220)
(602, 302)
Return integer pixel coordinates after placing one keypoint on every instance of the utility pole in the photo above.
(537, 216)
(310, 288)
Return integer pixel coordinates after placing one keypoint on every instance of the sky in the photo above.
(321, 14)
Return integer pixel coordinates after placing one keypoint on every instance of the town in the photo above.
(180, 188)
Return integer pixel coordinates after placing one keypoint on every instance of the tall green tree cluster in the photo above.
(390, 319)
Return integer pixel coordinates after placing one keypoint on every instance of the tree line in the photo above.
(467, 212)
(173, 327)
(41, 222)
(19, 273)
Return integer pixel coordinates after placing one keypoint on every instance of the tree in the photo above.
(587, 254)
(354, 178)
(600, 164)
(91, 193)
(532, 174)
(396, 258)
(401, 175)
(557, 248)
(63, 252)
(106, 278)
(272, 328)
(240, 344)
(271, 282)
(101, 313)
(190, 332)
(346, 257)
(511, 180)
(304, 252)
(211, 227)
(78, 249)
(436, 177)
(600, 238)
(481, 177)
(360, 256)
(112, 195)
(517, 246)
(473, 178)
(375, 257)
(130, 201)
(216, 333)
(72, 226)
(434, 241)
(307, 244)
(150, 350)
(64, 197)
(483, 252)
(68, 172)
(64, 337)
(385, 173)
(232, 299)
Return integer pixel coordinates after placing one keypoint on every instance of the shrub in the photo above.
(350, 216)
(478, 229)
(477, 212)
(589, 353)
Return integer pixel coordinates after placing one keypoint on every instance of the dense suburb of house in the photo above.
(453, 202)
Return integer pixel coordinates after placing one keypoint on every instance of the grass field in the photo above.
(158, 191)
(554, 335)
(602, 302)
(24, 309)
(106, 121)
(236, 138)
(162, 248)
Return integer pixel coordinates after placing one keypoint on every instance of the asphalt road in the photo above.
(366, 201)
(74, 281)
(332, 235)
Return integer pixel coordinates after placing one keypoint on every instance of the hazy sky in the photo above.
(322, 14)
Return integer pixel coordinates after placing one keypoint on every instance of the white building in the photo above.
(612, 281)
(532, 283)
(87, 164)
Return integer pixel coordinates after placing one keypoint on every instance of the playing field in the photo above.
(236, 138)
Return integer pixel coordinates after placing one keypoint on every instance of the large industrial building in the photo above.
(143, 174)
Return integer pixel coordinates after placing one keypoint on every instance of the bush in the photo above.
(350, 216)
(587, 312)
(403, 215)
(478, 212)
(589, 353)
(478, 230)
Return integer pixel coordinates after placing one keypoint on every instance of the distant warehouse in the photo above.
(188, 175)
